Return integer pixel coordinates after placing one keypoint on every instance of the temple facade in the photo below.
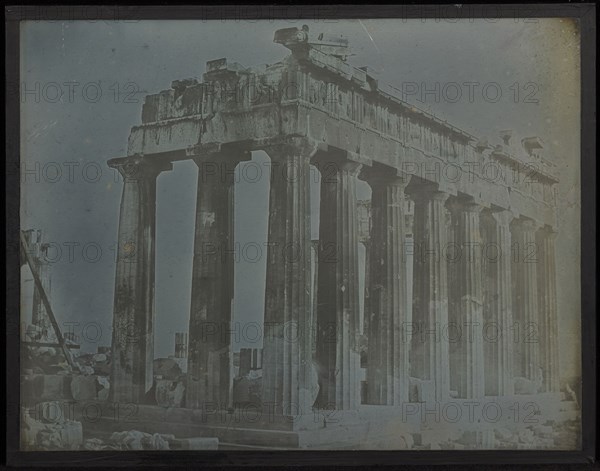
(460, 288)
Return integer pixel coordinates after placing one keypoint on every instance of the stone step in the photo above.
(237, 446)
(331, 436)
(245, 418)
(247, 436)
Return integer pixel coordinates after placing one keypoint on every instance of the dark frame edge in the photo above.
(585, 12)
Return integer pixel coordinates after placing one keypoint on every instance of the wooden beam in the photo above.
(44, 297)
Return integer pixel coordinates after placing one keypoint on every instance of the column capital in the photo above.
(503, 218)
(383, 175)
(526, 224)
(138, 166)
(548, 231)
(229, 157)
(426, 192)
(456, 204)
(282, 148)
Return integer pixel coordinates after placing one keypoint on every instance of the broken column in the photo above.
(212, 281)
(546, 276)
(286, 345)
(525, 299)
(388, 366)
(337, 320)
(132, 338)
(430, 360)
(466, 313)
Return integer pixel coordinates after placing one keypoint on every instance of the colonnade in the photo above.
(443, 337)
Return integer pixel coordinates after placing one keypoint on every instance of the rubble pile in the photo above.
(169, 383)
(535, 436)
(136, 440)
(46, 428)
(94, 363)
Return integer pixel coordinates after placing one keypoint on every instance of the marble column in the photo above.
(525, 259)
(498, 328)
(338, 329)
(209, 341)
(546, 275)
(388, 366)
(366, 293)
(287, 347)
(467, 309)
(430, 360)
(133, 318)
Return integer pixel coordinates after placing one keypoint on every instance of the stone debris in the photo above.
(103, 387)
(94, 363)
(167, 368)
(169, 393)
(52, 432)
(136, 440)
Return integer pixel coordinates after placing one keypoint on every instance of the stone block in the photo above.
(83, 388)
(51, 387)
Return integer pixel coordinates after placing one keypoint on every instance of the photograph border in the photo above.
(584, 12)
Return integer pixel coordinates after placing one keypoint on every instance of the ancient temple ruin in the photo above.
(482, 245)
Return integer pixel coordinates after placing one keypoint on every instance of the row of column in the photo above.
(456, 292)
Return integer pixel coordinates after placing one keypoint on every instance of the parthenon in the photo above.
(477, 319)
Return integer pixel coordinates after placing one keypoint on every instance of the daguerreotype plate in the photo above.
(253, 234)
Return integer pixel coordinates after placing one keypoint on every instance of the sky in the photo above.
(82, 88)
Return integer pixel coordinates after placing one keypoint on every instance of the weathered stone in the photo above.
(136, 440)
(466, 300)
(430, 354)
(525, 301)
(503, 433)
(286, 345)
(337, 352)
(83, 388)
(169, 393)
(197, 443)
(100, 357)
(212, 280)
(51, 387)
(51, 412)
(389, 311)
(133, 338)
(167, 368)
(57, 434)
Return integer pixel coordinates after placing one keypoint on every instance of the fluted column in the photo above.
(133, 318)
(209, 340)
(338, 354)
(367, 295)
(498, 334)
(286, 348)
(387, 369)
(430, 288)
(525, 259)
(549, 343)
(467, 310)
